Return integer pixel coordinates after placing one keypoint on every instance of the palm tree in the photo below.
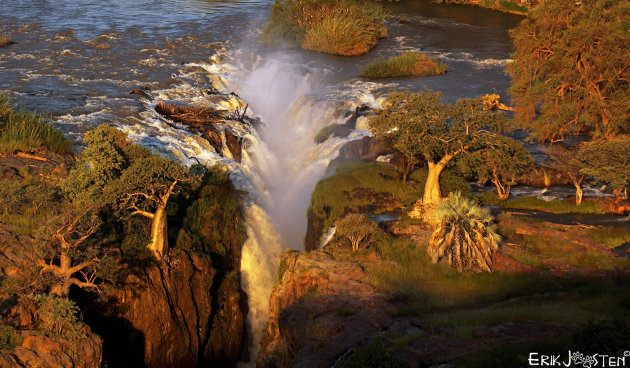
(464, 237)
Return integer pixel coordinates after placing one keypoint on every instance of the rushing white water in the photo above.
(289, 100)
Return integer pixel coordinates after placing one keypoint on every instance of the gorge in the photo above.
(78, 64)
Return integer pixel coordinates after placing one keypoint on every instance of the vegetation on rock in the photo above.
(570, 72)
(464, 237)
(130, 177)
(410, 63)
(21, 130)
(342, 27)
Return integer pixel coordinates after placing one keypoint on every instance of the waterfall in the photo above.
(281, 162)
(290, 101)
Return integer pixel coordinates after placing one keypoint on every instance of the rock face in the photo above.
(366, 148)
(43, 351)
(318, 308)
(183, 313)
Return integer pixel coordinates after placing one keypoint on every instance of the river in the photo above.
(78, 62)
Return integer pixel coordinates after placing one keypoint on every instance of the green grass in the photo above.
(438, 287)
(611, 237)
(22, 130)
(555, 206)
(331, 198)
(341, 27)
(510, 6)
(411, 63)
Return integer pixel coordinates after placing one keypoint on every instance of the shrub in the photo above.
(464, 237)
(59, 316)
(23, 130)
(9, 338)
(342, 27)
(411, 63)
(358, 228)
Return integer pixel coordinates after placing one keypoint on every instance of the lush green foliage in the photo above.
(9, 337)
(608, 161)
(570, 72)
(359, 229)
(59, 317)
(464, 237)
(21, 130)
(419, 127)
(343, 27)
(500, 164)
(410, 63)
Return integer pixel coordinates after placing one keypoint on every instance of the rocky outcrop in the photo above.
(180, 313)
(318, 308)
(44, 351)
(366, 148)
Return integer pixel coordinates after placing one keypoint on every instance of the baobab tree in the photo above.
(436, 132)
(66, 249)
(114, 171)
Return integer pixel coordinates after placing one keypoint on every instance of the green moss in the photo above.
(21, 130)
(411, 63)
(213, 222)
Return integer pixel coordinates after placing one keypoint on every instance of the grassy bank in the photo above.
(341, 27)
(514, 7)
(22, 130)
(556, 206)
(372, 187)
(411, 63)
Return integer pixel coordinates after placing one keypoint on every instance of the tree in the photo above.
(464, 237)
(358, 228)
(422, 127)
(608, 161)
(499, 164)
(128, 176)
(564, 161)
(67, 250)
(570, 72)
(145, 188)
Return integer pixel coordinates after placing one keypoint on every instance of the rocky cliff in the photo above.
(180, 313)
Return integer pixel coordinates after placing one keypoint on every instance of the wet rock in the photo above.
(214, 139)
(234, 145)
(139, 92)
(366, 148)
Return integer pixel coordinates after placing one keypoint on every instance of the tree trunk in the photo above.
(159, 234)
(432, 193)
(502, 192)
(63, 289)
(578, 194)
(621, 194)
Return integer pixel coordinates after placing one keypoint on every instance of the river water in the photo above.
(77, 62)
